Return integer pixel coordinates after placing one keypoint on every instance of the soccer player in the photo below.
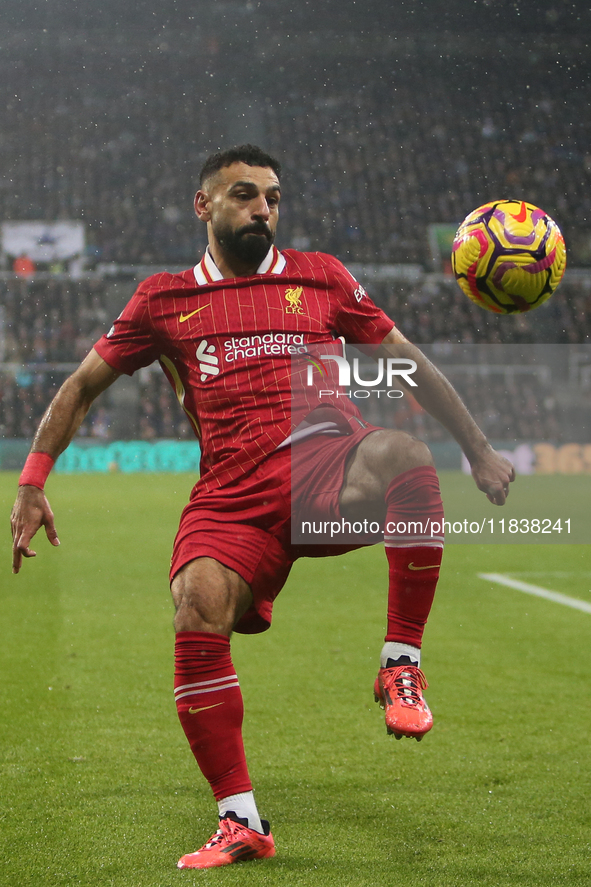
(225, 333)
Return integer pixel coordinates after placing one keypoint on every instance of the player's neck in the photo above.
(230, 266)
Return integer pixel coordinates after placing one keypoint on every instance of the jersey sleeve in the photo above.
(130, 343)
(358, 318)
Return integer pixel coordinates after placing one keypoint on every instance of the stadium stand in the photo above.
(112, 131)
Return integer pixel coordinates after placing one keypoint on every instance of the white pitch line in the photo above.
(538, 591)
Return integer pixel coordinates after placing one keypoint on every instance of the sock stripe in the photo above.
(218, 684)
(414, 541)
(228, 677)
(200, 692)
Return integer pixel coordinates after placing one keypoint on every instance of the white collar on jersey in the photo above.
(207, 271)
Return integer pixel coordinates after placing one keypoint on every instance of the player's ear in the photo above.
(201, 204)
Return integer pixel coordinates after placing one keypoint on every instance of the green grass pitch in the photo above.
(98, 784)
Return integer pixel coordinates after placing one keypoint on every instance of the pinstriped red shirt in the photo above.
(229, 346)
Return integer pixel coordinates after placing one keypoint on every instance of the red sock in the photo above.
(414, 546)
(210, 708)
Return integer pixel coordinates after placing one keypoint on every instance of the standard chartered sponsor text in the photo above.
(242, 347)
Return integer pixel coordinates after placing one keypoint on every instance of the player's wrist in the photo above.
(36, 470)
(477, 448)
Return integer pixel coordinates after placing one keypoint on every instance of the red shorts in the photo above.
(246, 525)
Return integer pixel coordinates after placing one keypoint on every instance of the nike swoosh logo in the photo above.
(411, 566)
(184, 317)
(522, 214)
(194, 711)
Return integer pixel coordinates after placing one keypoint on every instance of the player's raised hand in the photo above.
(492, 474)
(30, 512)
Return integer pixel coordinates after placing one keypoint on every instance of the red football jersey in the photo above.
(228, 347)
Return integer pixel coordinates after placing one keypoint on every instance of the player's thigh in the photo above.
(209, 596)
(378, 459)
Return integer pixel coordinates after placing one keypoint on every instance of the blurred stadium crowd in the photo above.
(50, 324)
(369, 161)
(113, 132)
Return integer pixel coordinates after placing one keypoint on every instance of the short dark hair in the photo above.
(249, 154)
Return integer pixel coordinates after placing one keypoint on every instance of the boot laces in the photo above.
(226, 832)
(407, 681)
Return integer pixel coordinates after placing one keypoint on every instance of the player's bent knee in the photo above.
(415, 453)
(209, 597)
(380, 458)
(392, 452)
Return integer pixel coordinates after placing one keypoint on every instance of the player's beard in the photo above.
(250, 244)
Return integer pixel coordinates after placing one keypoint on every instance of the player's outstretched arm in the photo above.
(492, 473)
(57, 428)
